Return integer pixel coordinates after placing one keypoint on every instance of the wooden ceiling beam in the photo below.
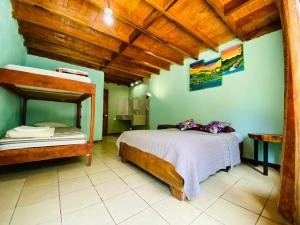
(128, 68)
(263, 30)
(73, 15)
(60, 50)
(41, 33)
(115, 81)
(114, 76)
(66, 59)
(68, 27)
(121, 73)
(220, 12)
(260, 13)
(195, 33)
(133, 63)
(234, 5)
(53, 48)
(136, 53)
(44, 35)
(121, 15)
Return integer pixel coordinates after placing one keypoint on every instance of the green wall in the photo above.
(141, 89)
(12, 52)
(252, 100)
(115, 92)
(66, 112)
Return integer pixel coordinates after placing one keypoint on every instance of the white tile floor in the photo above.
(66, 192)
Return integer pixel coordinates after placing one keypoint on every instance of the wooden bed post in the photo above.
(78, 115)
(91, 141)
(24, 110)
(289, 199)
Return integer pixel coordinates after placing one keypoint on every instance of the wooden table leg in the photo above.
(265, 163)
(255, 152)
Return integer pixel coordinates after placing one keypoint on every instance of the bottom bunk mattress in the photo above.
(62, 136)
(195, 155)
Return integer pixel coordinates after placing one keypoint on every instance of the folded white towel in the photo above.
(13, 133)
(31, 129)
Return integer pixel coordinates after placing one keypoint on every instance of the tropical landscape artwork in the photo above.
(205, 74)
(209, 74)
(232, 59)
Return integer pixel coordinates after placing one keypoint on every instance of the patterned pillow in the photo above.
(188, 125)
(216, 127)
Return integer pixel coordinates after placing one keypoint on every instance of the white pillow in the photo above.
(50, 124)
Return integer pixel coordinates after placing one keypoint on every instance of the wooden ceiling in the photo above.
(146, 36)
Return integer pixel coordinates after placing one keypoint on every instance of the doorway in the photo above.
(105, 113)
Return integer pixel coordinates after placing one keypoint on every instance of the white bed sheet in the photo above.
(62, 136)
(195, 155)
(48, 73)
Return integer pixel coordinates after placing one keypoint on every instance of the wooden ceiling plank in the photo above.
(264, 30)
(124, 60)
(58, 55)
(234, 5)
(142, 29)
(66, 59)
(121, 73)
(128, 68)
(134, 52)
(40, 33)
(59, 10)
(66, 26)
(41, 45)
(117, 80)
(115, 76)
(33, 31)
(114, 81)
(42, 17)
(266, 11)
(201, 37)
(220, 13)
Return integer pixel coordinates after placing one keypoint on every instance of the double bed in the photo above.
(38, 84)
(182, 159)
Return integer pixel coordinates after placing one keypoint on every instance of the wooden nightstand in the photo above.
(266, 139)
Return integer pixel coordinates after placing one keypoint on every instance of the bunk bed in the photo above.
(30, 83)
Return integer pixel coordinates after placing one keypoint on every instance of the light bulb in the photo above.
(132, 84)
(136, 82)
(108, 18)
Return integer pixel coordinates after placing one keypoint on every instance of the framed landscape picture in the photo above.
(232, 59)
(205, 74)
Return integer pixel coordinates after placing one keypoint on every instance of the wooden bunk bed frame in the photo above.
(19, 82)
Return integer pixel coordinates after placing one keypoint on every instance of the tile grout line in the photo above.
(100, 197)
(260, 215)
(149, 206)
(16, 205)
(59, 199)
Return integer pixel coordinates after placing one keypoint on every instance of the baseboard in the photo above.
(114, 134)
(251, 161)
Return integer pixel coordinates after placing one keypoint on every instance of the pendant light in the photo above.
(108, 18)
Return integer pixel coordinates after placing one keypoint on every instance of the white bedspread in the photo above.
(195, 155)
(30, 132)
(62, 136)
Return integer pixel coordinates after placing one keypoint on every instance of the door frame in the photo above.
(105, 121)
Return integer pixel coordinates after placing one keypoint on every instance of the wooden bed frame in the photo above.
(159, 168)
(18, 82)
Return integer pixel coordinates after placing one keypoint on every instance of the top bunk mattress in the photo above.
(48, 73)
(62, 136)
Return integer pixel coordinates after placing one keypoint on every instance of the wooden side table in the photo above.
(266, 139)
